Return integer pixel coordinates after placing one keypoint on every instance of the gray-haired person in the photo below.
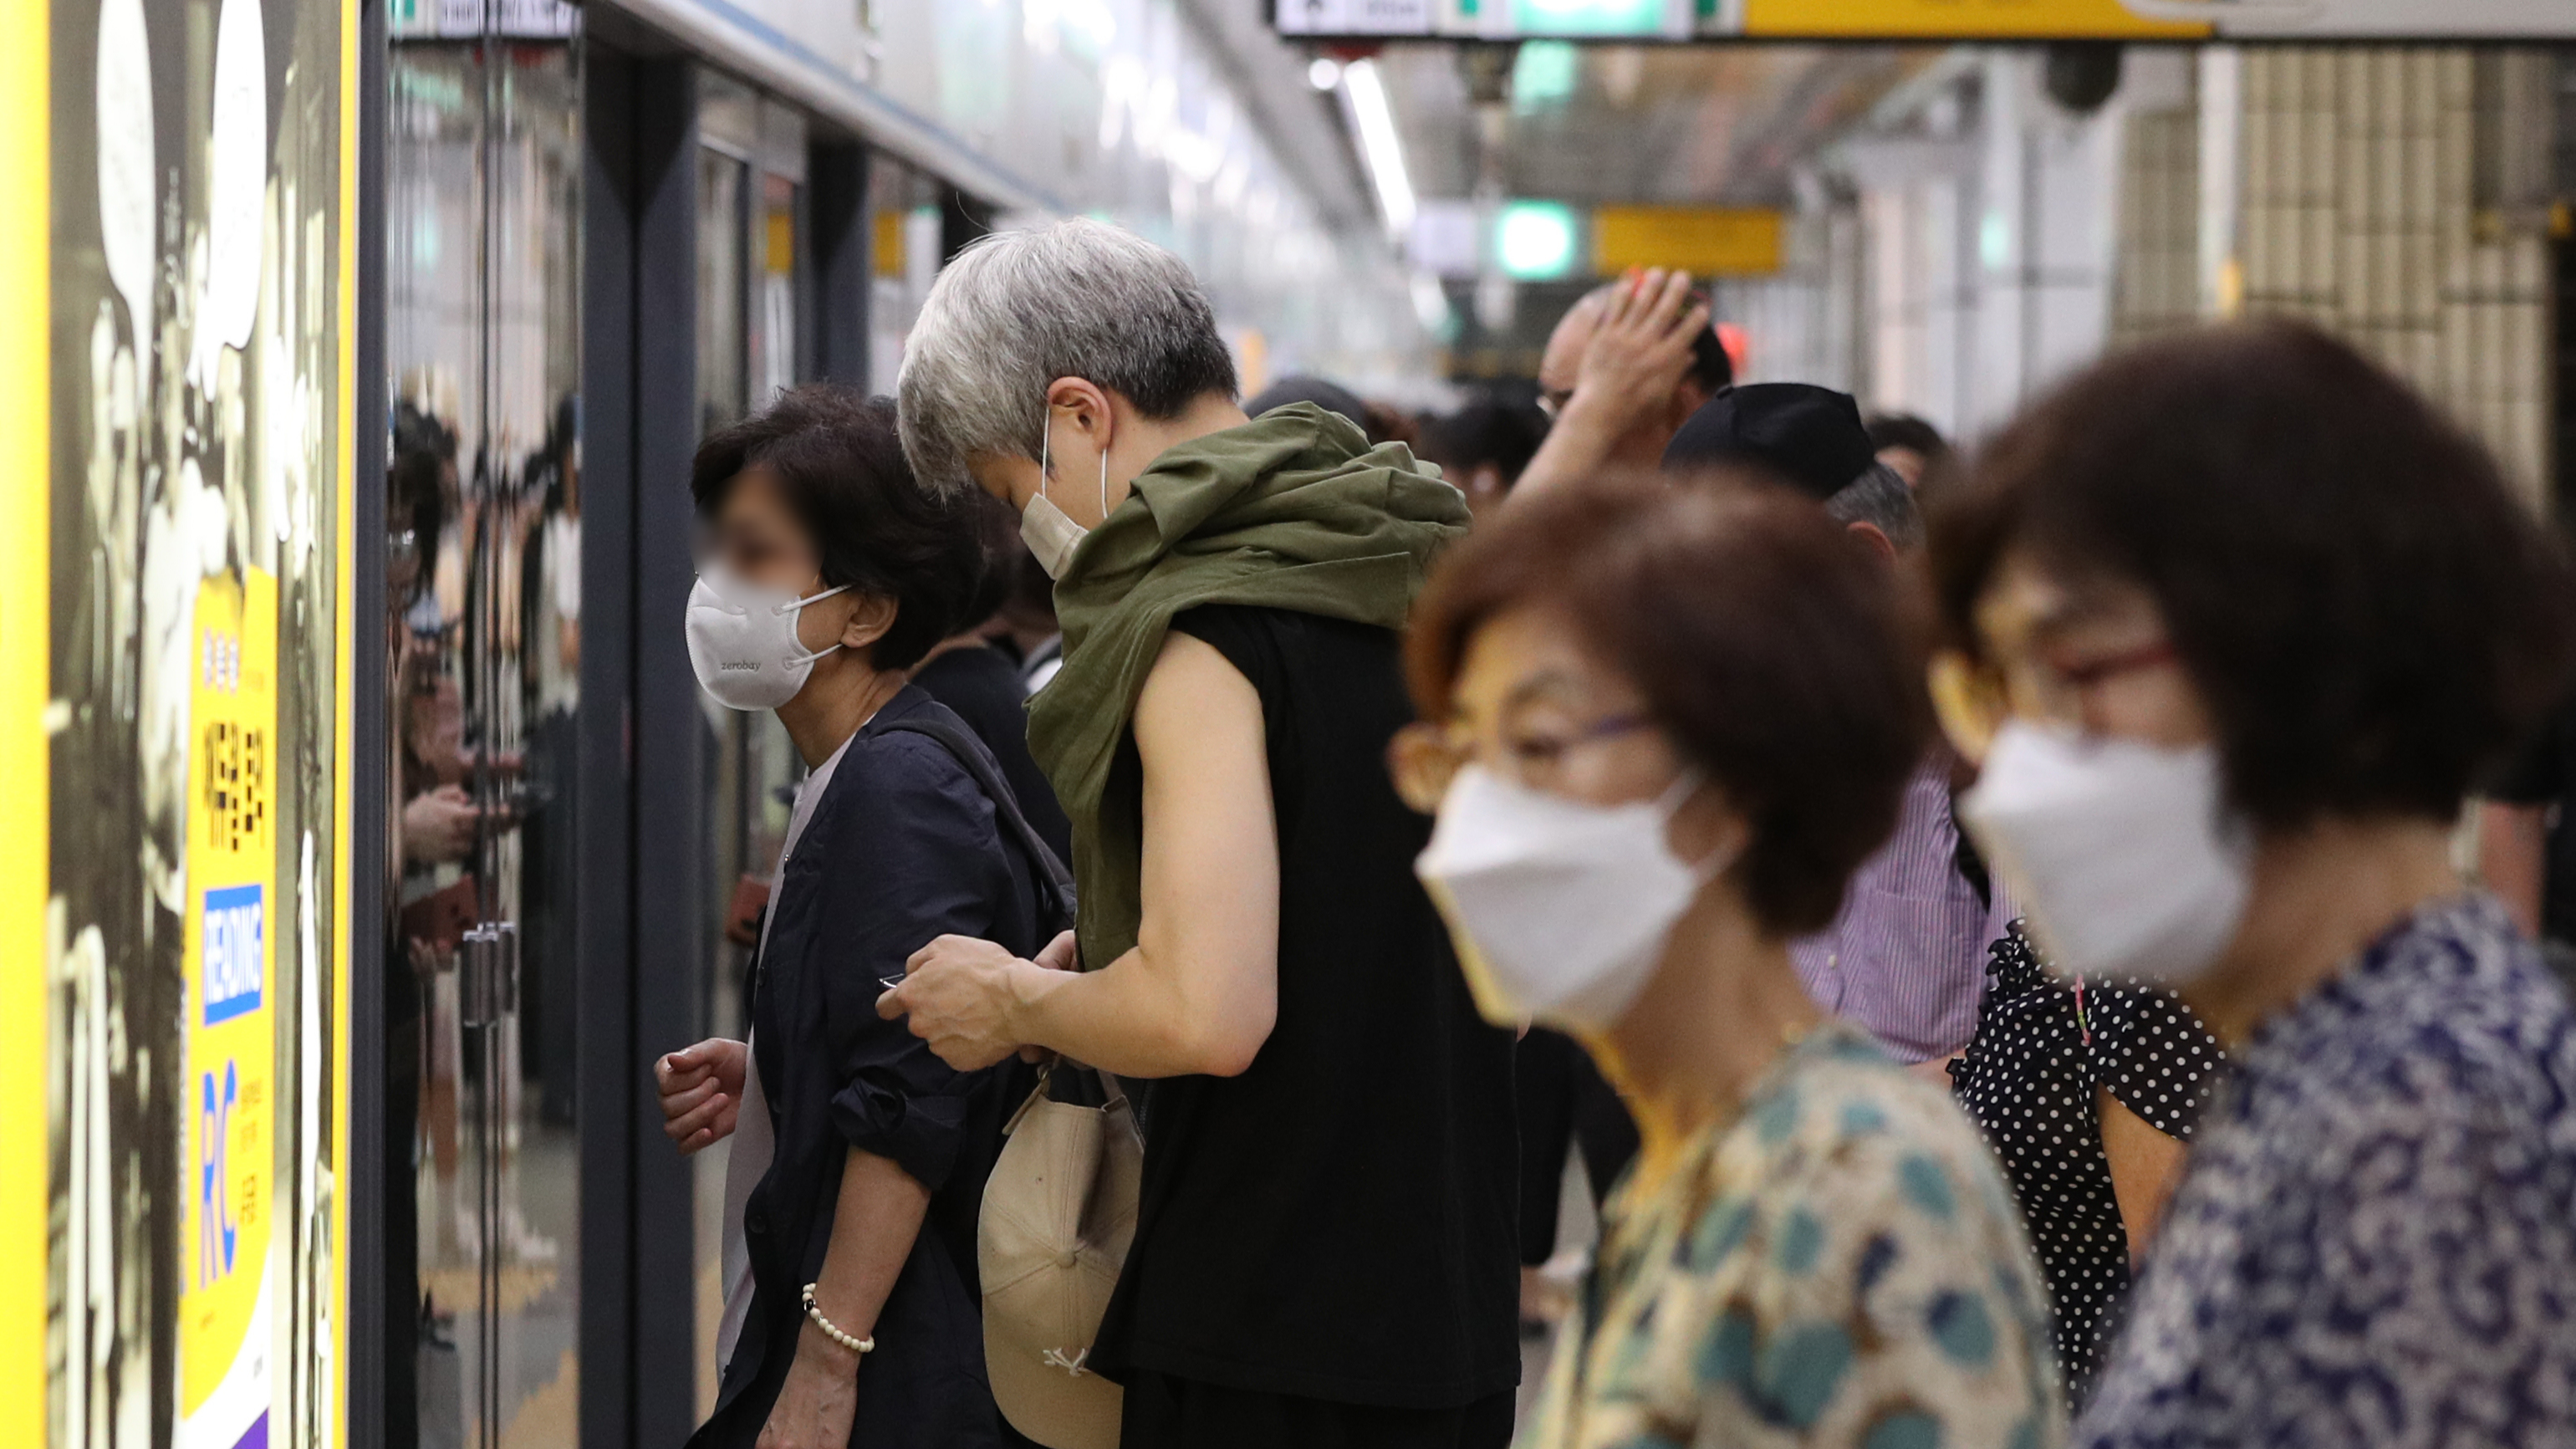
(1906, 956)
(1324, 1250)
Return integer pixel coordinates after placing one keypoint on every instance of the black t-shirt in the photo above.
(1336, 1222)
(982, 687)
(2545, 774)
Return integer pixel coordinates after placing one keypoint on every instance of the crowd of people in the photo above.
(1990, 918)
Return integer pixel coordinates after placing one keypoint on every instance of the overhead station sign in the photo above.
(1551, 241)
(1903, 20)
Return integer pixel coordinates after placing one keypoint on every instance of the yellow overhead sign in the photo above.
(1707, 241)
(1961, 19)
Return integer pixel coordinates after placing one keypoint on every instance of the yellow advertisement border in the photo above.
(344, 733)
(26, 682)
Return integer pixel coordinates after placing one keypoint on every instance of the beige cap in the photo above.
(1059, 1212)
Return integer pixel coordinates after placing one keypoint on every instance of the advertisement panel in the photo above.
(194, 421)
(225, 1284)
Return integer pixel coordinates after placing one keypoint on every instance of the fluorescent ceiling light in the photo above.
(1379, 145)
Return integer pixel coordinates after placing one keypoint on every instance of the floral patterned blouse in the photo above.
(1839, 1265)
(2375, 1243)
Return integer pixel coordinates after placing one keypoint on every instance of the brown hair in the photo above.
(1769, 646)
(835, 455)
(2371, 615)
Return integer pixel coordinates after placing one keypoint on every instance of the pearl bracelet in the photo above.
(861, 1346)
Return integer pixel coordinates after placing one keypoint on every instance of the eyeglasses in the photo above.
(1552, 401)
(1974, 698)
(1425, 757)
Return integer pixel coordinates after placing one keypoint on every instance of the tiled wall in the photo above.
(2382, 193)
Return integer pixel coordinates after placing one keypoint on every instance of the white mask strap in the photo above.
(1046, 437)
(794, 606)
(1104, 485)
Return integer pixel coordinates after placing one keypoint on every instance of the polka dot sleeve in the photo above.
(2153, 1053)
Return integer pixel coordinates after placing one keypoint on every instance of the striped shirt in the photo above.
(1905, 960)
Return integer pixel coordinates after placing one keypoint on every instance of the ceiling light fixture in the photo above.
(1379, 145)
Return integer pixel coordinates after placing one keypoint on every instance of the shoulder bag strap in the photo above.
(1052, 875)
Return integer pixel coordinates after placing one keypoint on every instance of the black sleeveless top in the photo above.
(1337, 1222)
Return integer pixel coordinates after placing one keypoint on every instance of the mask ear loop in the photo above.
(1046, 438)
(794, 607)
(1104, 485)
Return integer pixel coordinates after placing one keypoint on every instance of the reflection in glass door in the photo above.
(484, 535)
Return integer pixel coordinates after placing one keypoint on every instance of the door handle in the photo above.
(505, 967)
(474, 995)
(489, 983)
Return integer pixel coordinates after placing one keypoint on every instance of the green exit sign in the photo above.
(1588, 17)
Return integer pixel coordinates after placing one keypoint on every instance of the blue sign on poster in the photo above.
(236, 951)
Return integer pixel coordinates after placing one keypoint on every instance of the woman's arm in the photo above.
(874, 1222)
(1200, 991)
(2145, 1165)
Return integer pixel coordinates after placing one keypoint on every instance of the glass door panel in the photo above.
(482, 332)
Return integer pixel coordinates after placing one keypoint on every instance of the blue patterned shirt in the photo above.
(2375, 1243)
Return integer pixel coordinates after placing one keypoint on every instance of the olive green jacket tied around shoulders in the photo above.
(1293, 510)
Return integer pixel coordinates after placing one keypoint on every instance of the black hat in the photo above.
(1811, 436)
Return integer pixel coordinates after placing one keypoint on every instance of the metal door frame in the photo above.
(642, 745)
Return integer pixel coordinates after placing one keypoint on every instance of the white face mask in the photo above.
(1559, 909)
(743, 644)
(1049, 531)
(2125, 852)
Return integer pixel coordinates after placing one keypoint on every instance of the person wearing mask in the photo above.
(1662, 726)
(1652, 407)
(1904, 957)
(851, 1312)
(2245, 617)
(971, 674)
(1324, 1245)
(2086, 1097)
(1483, 447)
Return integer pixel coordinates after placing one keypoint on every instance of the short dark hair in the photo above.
(2370, 614)
(997, 536)
(1486, 430)
(1304, 387)
(1905, 430)
(837, 459)
(1710, 367)
(1773, 652)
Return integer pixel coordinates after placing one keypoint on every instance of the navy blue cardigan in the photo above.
(903, 847)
